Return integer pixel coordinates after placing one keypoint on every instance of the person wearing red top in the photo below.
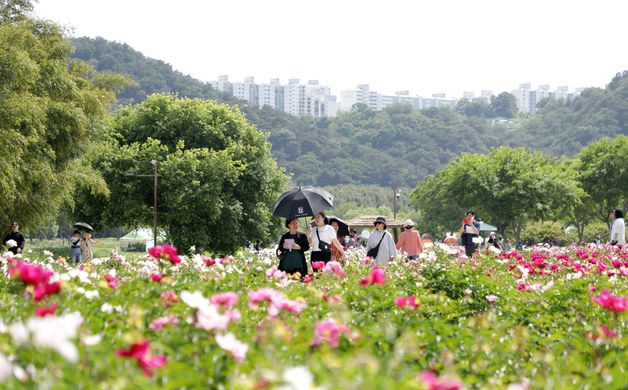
(410, 241)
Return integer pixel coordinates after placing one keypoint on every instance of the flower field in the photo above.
(545, 318)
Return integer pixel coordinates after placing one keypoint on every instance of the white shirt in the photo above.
(327, 234)
(618, 231)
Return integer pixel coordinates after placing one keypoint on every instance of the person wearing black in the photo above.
(494, 240)
(291, 249)
(16, 237)
(469, 230)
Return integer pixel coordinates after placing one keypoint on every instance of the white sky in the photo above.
(423, 46)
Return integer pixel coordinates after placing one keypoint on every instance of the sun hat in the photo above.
(380, 220)
(408, 222)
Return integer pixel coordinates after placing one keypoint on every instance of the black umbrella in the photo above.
(343, 227)
(302, 202)
(83, 226)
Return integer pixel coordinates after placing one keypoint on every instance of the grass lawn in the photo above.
(102, 247)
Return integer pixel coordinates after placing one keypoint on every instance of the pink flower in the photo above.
(156, 278)
(227, 299)
(169, 297)
(167, 252)
(332, 299)
(491, 298)
(607, 332)
(113, 282)
(46, 310)
(435, 383)
(334, 268)
(409, 301)
(233, 315)
(592, 288)
(375, 277)
(318, 264)
(327, 331)
(277, 301)
(610, 302)
(208, 261)
(162, 322)
(141, 353)
(37, 277)
(229, 343)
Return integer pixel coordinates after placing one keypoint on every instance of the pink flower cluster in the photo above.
(38, 277)
(113, 282)
(334, 268)
(318, 264)
(277, 301)
(611, 302)
(162, 322)
(169, 297)
(443, 383)
(47, 310)
(141, 353)
(167, 252)
(329, 331)
(274, 273)
(227, 299)
(375, 277)
(409, 302)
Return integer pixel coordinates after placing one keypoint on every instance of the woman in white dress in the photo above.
(618, 228)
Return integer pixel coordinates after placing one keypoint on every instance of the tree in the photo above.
(506, 187)
(217, 179)
(504, 104)
(50, 114)
(14, 10)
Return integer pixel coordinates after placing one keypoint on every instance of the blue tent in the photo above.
(485, 227)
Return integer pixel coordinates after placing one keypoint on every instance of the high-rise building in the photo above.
(247, 91)
(271, 95)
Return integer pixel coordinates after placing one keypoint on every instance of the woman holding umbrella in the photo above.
(321, 237)
(291, 249)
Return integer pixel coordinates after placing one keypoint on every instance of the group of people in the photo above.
(326, 244)
(81, 247)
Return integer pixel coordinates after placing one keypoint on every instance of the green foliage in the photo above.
(217, 180)
(544, 232)
(504, 105)
(14, 10)
(505, 187)
(49, 115)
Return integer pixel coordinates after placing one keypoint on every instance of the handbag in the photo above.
(374, 251)
(322, 245)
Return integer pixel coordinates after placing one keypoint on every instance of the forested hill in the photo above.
(393, 146)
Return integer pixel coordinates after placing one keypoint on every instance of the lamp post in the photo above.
(154, 211)
(395, 199)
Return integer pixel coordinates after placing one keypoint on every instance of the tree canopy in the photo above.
(217, 179)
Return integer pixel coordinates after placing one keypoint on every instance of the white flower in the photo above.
(467, 292)
(91, 294)
(477, 240)
(6, 368)
(11, 243)
(48, 253)
(297, 378)
(195, 300)
(19, 373)
(56, 332)
(106, 308)
(19, 333)
(229, 343)
(92, 340)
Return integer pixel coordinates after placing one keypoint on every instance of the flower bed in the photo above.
(545, 318)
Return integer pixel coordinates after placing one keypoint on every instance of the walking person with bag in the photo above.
(381, 245)
(469, 230)
(291, 249)
(321, 237)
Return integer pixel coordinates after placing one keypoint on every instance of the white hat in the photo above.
(408, 222)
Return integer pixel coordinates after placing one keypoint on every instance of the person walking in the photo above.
(468, 231)
(292, 248)
(381, 245)
(75, 248)
(410, 241)
(321, 237)
(335, 253)
(87, 246)
(618, 228)
(15, 239)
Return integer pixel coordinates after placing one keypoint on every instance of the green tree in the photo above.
(504, 104)
(50, 113)
(14, 10)
(506, 187)
(217, 179)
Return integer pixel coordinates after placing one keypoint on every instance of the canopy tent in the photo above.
(143, 235)
(485, 227)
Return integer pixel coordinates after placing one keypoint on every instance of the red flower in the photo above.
(375, 277)
(607, 332)
(46, 310)
(318, 264)
(156, 278)
(141, 353)
(209, 261)
(611, 302)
